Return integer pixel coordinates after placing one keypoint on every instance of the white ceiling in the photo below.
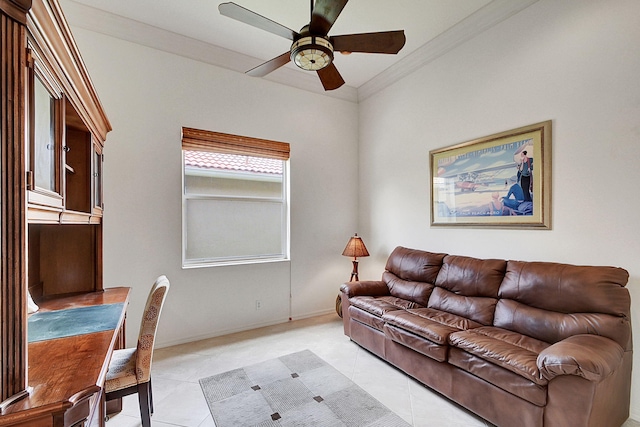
(172, 25)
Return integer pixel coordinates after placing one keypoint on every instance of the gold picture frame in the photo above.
(501, 180)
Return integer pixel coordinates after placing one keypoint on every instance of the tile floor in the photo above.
(178, 399)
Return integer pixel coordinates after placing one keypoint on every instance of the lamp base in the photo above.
(354, 273)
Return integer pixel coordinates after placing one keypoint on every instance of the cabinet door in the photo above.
(45, 139)
(78, 151)
(97, 179)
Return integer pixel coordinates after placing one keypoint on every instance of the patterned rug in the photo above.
(298, 389)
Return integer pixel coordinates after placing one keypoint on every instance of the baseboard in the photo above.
(313, 314)
(242, 328)
(220, 333)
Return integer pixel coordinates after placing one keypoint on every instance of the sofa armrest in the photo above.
(374, 288)
(591, 357)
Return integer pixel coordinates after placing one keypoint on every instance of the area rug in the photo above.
(298, 389)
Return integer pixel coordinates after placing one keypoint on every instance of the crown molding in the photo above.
(16, 9)
(109, 24)
(484, 18)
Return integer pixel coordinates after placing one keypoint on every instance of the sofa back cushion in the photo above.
(418, 292)
(468, 287)
(410, 274)
(552, 326)
(471, 277)
(414, 265)
(478, 309)
(551, 301)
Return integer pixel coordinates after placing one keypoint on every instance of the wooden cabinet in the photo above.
(52, 134)
(64, 158)
(65, 138)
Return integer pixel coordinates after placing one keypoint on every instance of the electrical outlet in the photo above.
(258, 304)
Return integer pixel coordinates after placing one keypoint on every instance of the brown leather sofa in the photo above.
(518, 343)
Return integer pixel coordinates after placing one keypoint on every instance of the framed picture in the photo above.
(501, 180)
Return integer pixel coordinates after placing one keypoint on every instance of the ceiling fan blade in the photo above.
(324, 15)
(382, 42)
(269, 66)
(330, 77)
(239, 13)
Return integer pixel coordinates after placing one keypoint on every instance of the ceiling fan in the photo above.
(312, 48)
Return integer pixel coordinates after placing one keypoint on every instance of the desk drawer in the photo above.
(78, 413)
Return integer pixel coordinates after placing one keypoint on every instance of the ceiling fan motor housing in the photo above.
(312, 53)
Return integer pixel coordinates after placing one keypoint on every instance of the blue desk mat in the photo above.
(50, 325)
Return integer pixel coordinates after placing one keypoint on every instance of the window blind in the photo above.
(204, 140)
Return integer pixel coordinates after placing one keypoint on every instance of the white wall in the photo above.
(574, 62)
(149, 95)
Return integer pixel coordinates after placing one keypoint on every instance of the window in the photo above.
(234, 200)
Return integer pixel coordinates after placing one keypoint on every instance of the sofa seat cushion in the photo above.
(381, 305)
(510, 350)
(369, 310)
(416, 343)
(498, 376)
(364, 317)
(434, 325)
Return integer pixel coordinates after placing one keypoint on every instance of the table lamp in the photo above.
(355, 248)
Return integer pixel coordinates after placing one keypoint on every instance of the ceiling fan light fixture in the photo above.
(312, 53)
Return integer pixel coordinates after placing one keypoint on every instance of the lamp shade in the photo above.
(355, 248)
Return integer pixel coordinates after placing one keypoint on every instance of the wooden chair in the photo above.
(130, 368)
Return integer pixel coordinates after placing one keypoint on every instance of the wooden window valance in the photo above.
(204, 140)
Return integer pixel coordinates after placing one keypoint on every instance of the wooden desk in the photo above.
(67, 374)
